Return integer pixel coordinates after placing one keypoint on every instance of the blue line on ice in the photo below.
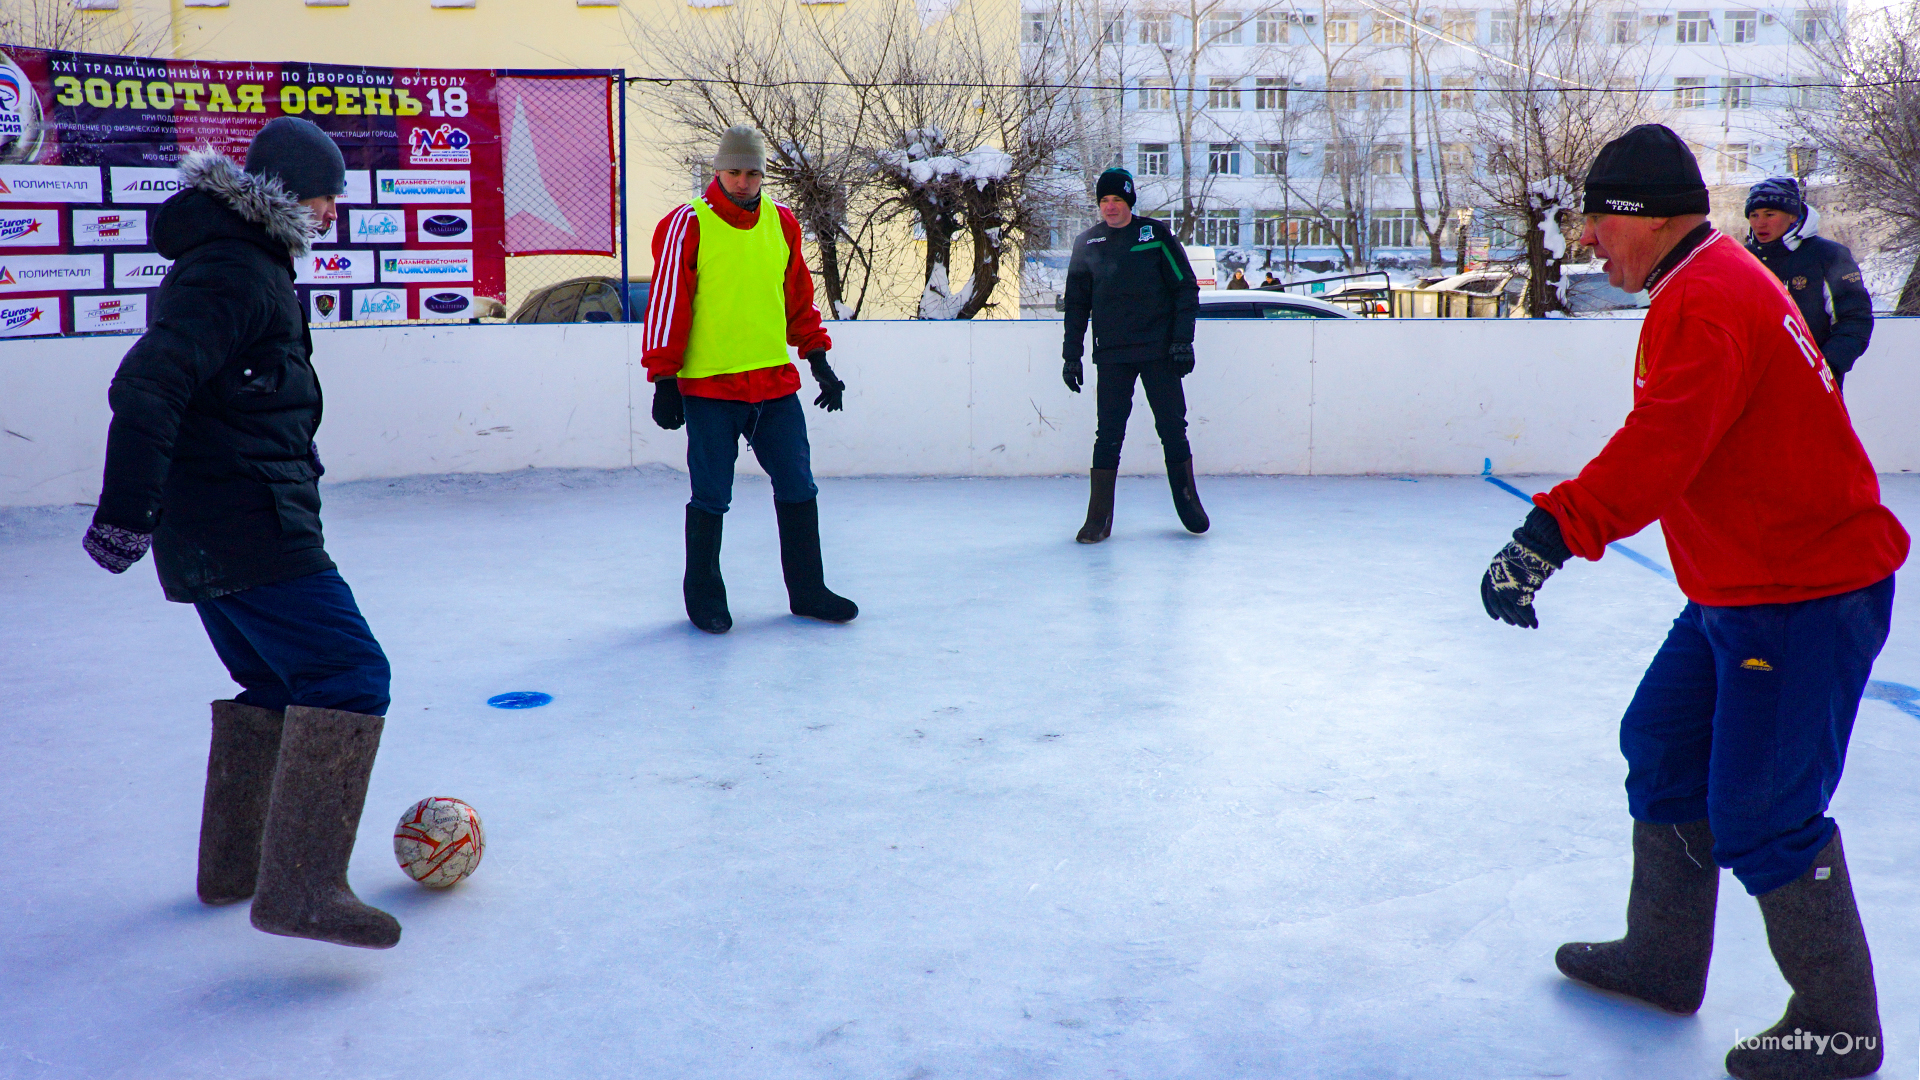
(1486, 473)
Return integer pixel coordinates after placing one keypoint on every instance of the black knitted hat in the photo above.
(1115, 182)
(1780, 193)
(302, 156)
(1648, 172)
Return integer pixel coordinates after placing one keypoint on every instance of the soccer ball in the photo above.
(439, 841)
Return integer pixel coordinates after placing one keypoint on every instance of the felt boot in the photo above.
(1670, 908)
(319, 788)
(1832, 1025)
(1186, 497)
(246, 742)
(807, 592)
(1099, 524)
(705, 592)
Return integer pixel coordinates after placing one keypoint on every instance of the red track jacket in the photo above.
(1739, 444)
(676, 253)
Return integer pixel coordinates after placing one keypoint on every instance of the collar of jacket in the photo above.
(259, 200)
(729, 211)
(1679, 253)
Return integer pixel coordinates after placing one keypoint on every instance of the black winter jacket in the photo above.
(215, 407)
(1136, 283)
(1825, 284)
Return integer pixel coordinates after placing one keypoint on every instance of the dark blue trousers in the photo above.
(299, 642)
(1113, 398)
(1743, 719)
(777, 432)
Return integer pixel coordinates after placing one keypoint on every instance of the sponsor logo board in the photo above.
(423, 185)
(323, 306)
(137, 184)
(359, 187)
(438, 303)
(101, 228)
(29, 317)
(443, 226)
(376, 226)
(50, 183)
(379, 304)
(94, 314)
(335, 268)
(141, 270)
(444, 145)
(38, 273)
(29, 228)
(426, 266)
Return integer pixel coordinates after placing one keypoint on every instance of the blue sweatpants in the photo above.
(777, 432)
(299, 642)
(1743, 719)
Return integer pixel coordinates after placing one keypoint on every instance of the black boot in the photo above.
(807, 592)
(319, 789)
(1663, 959)
(246, 742)
(1832, 1025)
(705, 592)
(1186, 497)
(1099, 524)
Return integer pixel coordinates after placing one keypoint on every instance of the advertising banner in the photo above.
(89, 147)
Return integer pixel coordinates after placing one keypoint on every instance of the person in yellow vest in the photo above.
(731, 292)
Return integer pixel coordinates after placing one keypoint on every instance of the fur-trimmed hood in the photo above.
(276, 218)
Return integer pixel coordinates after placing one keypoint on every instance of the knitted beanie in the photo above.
(742, 148)
(1115, 182)
(300, 155)
(1648, 172)
(1780, 193)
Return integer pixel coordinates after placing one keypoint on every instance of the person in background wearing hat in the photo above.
(1819, 273)
(1131, 276)
(211, 461)
(731, 292)
(1740, 446)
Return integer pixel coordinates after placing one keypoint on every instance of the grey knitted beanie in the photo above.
(303, 157)
(741, 147)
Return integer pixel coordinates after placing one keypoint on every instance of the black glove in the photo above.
(1180, 355)
(669, 411)
(1525, 564)
(1074, 374)
(832, 391)
(115, 548)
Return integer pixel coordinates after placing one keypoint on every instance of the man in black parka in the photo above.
(211, 461)
(1131, 276)
(1819, 273)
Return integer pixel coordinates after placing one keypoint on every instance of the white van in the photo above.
(1203, 265)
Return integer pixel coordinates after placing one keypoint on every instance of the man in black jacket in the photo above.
(1819, 273)
(211, 461)
(1132, 277)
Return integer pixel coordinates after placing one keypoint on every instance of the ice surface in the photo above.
(1279, 801)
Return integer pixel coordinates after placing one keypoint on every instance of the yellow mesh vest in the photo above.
(739, 296)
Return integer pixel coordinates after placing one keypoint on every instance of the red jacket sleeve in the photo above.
(1694, 387)
(804, 331)
(676, 249)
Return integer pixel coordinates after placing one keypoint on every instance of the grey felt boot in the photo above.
(1186, 497)
(319, 789)
(1832, 1025)
(807, 592)
(1670, 908)
(703, 589)
(240, 759)
(1099, 524)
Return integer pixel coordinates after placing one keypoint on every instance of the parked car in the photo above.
(583, 299)
(1260, 304)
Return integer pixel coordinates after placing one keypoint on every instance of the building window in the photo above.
(1114, 30)
(1269, 159)
(1804, 95)
(1223, 28)
(1745, 26)
(1809, 25)
(1153, 159)
(1802, 161)
(1389, 159)
(1343, 28)
(1689, 93)
(1156, 30)
(1269, 93)
(1270, 230)
(1218, 228)
(1734, 158)
(1223, 159)
(1033, 27)
(1270, 28)
(1223, 93)
(1343, 93)
(1456, 93)
(1625, 26)
(1389, 28)
(1736, 93)
(1155, 95)
(1692, 28)
(1390, 93)
(1500, 28)
(1394, 229)
(1461, 26)
(1456, 158)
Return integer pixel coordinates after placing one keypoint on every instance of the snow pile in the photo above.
(939, 301)
(1550, 197)
(925, 161)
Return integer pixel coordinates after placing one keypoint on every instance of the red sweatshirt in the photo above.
(1739, 444)
(676, 254)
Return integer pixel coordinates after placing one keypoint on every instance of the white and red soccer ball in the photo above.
(439, 841)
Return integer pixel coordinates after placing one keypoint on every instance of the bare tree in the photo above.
(64, 25)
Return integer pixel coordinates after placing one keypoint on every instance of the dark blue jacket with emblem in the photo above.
(1136, 284)
(1825, 284)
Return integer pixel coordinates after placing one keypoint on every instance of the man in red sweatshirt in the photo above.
(1735, 740)
(730, 293)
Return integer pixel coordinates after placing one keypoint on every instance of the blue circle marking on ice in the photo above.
(520, 699)
(1904, 698)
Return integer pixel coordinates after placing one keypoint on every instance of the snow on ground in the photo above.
(1279, 801)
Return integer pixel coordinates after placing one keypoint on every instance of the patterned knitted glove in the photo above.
(1073, 374)
(115, 548)
(1180, 353)
(1518, 571)
(832, 390)
(669, 410)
